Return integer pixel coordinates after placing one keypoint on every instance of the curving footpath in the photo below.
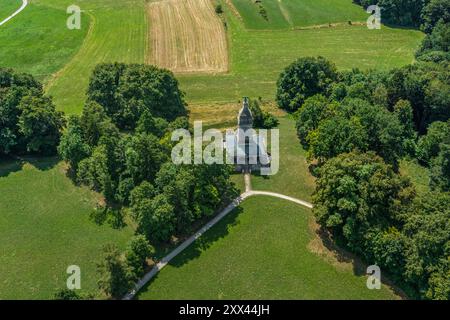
(248, 193)
(24, 4)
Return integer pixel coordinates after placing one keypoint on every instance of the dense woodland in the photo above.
(121, 146)
(356, 126)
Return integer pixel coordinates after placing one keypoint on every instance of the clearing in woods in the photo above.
(187, 36)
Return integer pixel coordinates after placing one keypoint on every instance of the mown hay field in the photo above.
(186, 36)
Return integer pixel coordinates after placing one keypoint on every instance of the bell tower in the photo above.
(245, 118)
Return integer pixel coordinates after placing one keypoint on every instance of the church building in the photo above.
(245, 146)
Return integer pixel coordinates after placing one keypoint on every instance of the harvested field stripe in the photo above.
(186, 36)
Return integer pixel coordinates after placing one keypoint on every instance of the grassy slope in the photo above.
(244, 257)
(117, 33)
(8, 7)
(258, 57)
(37, 40)
(295, 13)
(44, 228)
(293, 178)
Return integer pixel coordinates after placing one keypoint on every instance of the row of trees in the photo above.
(121, 146)
(356, 126)
(29, 122)
(425, 85)
(415, 13)
(375, 212)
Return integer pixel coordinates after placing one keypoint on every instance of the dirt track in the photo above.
(186, 36)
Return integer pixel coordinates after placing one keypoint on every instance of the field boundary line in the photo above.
(164, 261)
(23, 6)
(55, 76)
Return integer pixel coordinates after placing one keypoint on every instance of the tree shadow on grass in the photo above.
(42, 163)
(194, 251)
(358, 265)
(10, 164)
(258, 174)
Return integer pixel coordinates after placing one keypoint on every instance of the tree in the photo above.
(404, 113)
(93, 119)
(219, 9)
(39, 124)
(429, 144)
(434, 11)
(147, 124)
(440, 168)
(427, 256)
(126, 91)
(436, 45)
(336, 135)
(93, 171)
(115, 277)
(155, 218)
(426, 87)
(137, 252)
(303, 79)
(178, 123)
(72, 147)
(261, 119)
(66, 294)
(314, 110)
(357, 193)
(398, 12)
(143, 191)
(29, 122)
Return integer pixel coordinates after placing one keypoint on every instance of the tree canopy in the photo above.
(126, 91)
(29, 122)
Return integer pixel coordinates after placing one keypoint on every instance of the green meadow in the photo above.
(273, 253)
(45, 227)
(258, 57)
(293, 178)
(37, 40)
(282, 14)
(8, 7)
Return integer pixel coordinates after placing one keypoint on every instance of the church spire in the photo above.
(245, 118)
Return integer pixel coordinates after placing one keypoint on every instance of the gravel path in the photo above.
(248, 193)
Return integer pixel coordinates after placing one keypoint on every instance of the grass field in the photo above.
(293, 178)
(44, 228)
(283, 14)
(258, 57)
(8, 7)
(262, 254)
(117, 32)
(186, 36)
(37, 40)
